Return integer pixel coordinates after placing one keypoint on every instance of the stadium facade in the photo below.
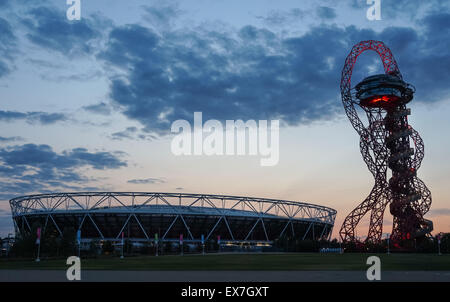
(236, 219)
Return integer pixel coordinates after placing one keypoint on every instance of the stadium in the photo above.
(139, 216)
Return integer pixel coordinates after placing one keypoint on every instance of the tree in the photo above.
(128, 246)
(445, 243)
(24, 246)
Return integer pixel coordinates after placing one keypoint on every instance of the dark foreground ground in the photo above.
(245, 262)
(222, 276)
(302, 267)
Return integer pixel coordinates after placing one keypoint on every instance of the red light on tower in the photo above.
(383, 91)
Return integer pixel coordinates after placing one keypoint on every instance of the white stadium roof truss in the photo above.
(178, 204)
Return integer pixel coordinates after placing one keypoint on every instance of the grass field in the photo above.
(303, 262)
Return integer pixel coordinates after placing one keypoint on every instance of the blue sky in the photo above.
(87, 105)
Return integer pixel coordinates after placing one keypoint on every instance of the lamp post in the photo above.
(203, 244)
(79, 242)
(156, 242)
(218, 241)
(388, 239)
(439, 244)
(121, 256)
(38, 242)
(181, 244)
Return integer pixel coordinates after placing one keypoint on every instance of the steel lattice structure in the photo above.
(385, 144)
(105, 215)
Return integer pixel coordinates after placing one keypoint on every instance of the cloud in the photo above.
(7, 47)
(281, 18)
(98, 160)
(80, 77)
(256, 73)
(146, 181)
(125, 134)
(10, 139)
(37, 168)
(162, 16)
(50, 29)
(132, 133)
(326, 13)
(44, 118)
(44, 64)
(424, 59)
(251, 73)
(4, 3)
(43, 155)
(101, 108)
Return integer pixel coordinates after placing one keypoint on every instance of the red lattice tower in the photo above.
(385, 144)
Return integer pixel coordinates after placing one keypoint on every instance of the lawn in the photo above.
(300, 261)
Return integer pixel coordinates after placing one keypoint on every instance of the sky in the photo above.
(87, 105)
